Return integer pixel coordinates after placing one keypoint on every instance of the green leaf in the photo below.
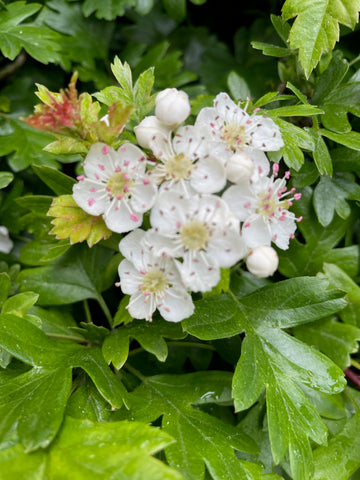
(72, 222)
(316, 28)
(339, 279)
(271, 50)
(337, 340)
(340, 458)
(273, 360)
(25, 145)
(295, 139)
(350, 140)
(34, 403)
(330, 78)
(59, 183)
(14, 35)
(200, 437)
(119, 450)
(108, 9)
(5, 179)
(75, 276)
(308, 258)
(176, 9)
(19, 304)
(150, 337)
(294, 111)
(50, 358)
(5, 285)
(321, 154)
(238, 87)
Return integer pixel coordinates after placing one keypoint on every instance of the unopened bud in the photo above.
(6, 244)
(239, 168)
(148, 128)
(172, 106)
(262, 261)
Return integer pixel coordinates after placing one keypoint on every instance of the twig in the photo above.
(13, 66)
(353, 377)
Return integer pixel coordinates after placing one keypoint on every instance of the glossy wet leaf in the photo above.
(200, 437)
(121, 450)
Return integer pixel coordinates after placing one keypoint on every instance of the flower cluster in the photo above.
(212, 197)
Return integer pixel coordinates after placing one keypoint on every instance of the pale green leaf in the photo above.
(316, 28)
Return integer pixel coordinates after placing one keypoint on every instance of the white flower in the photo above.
(232, 130)
(149, 127)
(262, 261)
(115, 186)
(200, 232)
(152, 282)
(247, 165)
(186, 161)
(6, 244)
(263, 207)
(172, 106)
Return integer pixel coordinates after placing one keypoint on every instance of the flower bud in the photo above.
(239, 168)
(172, 106)
(262, 261)
(148, 128)
(6, 244)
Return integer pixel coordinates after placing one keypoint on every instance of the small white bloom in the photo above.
(152, 282)
(186, 161)
(6, 244)
(200, 232)
(115, 186)
(262, 261)
(232, 130)
(149, 127)
(172, 106)
(263, 206)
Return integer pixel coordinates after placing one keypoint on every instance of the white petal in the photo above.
(132, 249)
(91, 196)
(6, 244)
(208, 175)
(177, 305)
(198, 276)
(162, 244)
(120, 217)
(281, 231)
(241, 200)
(226, 248)
(261, 162)
(267, 134)
(129, 277)
(256, 231)
(140, 306)
(143, 197)
(131, 157)
(161, 147)
(100, 162)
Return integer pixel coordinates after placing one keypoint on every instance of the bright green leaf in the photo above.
(316, 28)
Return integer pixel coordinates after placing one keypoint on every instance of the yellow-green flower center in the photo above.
(268, 204)
(194, 235)
(234, 135)
(178, 167)
(154, 281)
(119, 184)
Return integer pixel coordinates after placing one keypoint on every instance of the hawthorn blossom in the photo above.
(263, 206)
(200, 232)
(232, 130)
(116, 186)
(152, 282)
(6, 244)
(186, 161)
